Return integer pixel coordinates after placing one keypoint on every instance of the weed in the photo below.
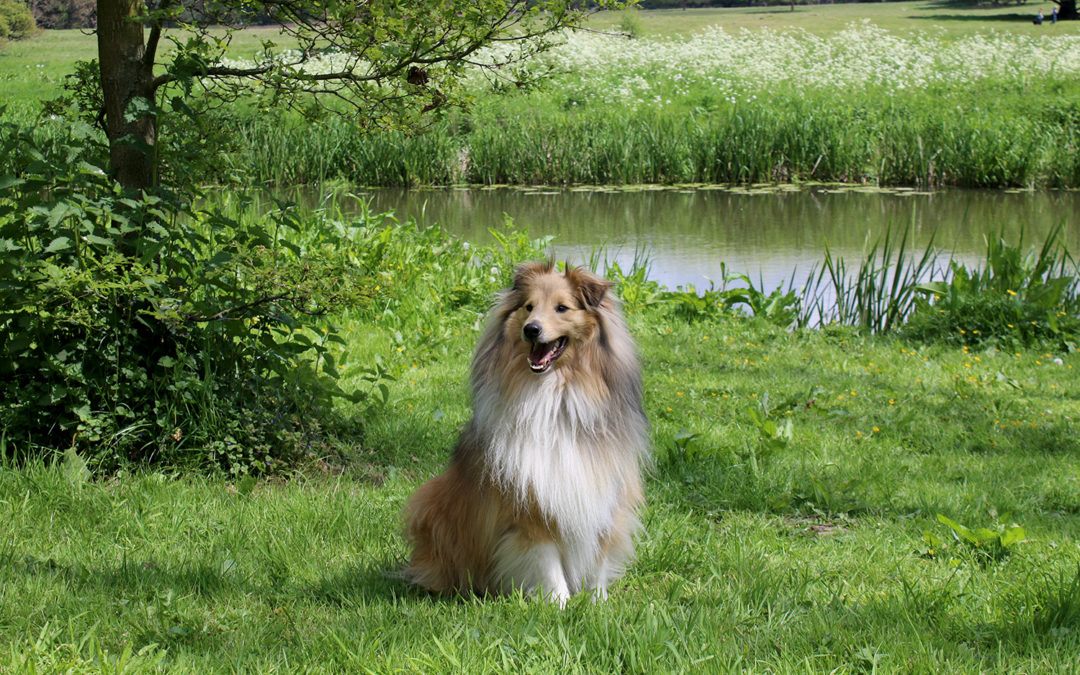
(982, 543)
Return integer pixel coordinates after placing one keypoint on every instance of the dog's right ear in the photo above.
(591, 287)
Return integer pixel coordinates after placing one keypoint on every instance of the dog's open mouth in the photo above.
(543, 354)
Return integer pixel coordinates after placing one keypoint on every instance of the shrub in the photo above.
(16, 21)
(136, 327)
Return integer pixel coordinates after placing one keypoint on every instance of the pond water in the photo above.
(770, 234)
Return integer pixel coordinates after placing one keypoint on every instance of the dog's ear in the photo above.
(591, 287)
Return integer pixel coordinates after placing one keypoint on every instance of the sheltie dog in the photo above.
(544, 485)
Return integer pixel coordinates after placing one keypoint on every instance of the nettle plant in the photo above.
(137, 327)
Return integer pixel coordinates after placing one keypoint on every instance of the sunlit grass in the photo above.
(945, 19)
(811, 557)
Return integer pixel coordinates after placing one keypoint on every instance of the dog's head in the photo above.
(553, 313)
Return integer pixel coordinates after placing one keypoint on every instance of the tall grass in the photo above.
(879, 137)
(877, 296)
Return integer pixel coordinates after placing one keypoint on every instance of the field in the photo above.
(821, 500)
(925, 94)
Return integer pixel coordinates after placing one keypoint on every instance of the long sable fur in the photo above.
(549, 462)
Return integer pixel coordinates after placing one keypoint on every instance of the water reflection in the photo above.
(771, 234)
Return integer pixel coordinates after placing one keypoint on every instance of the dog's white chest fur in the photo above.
(549, 443)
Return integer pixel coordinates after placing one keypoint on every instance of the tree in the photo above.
(386, 62)
(1067, 9)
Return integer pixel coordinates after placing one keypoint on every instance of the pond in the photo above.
(771, 234)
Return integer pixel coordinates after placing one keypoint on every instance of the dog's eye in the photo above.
(528, 308)
(562, 308)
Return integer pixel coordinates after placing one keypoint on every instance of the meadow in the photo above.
(888, 492)
(922, 93)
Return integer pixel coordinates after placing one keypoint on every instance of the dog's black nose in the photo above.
(532, 331)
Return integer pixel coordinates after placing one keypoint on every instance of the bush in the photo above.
(16, 21)
(135, 327)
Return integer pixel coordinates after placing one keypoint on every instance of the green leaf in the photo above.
(75, 468)
(1013, 535)
(10, 181)
(58, 244)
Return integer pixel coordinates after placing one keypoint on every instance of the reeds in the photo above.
(870, 137)
(878, 295)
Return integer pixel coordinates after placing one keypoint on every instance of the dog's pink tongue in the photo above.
(540, 355)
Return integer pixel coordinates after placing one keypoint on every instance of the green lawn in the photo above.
(939, 17)
(808, 557)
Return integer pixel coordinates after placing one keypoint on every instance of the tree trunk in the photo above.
(1067, 9)
(127, 76)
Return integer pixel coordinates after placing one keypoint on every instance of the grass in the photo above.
(813, 558)
(948, 18)
(792, 519)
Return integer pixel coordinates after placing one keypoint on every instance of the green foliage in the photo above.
(136, 327)
(635, 289)
(630, 21)
(779, 307)
(1019, 297)
(16, 21)
(983, 543)
(878, 296)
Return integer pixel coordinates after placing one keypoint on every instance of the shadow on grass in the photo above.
(147, 579)
(1026, 17)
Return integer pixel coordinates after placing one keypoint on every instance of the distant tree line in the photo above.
(83, 13)
(57, 14)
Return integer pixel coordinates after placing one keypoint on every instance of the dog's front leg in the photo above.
(534, 567)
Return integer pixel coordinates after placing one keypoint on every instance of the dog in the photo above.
(544, 485)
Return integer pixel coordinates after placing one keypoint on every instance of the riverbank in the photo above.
(820, 500)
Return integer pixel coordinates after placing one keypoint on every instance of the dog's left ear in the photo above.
(591, 287)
